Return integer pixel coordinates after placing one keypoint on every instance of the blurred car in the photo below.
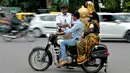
(114, 26)
(43, 24)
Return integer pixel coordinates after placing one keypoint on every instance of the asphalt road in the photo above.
(14, 57)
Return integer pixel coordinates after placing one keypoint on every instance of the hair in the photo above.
(91, 5)
(76, 14)
(63, 6)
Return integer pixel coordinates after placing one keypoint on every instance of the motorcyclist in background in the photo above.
(15, 24)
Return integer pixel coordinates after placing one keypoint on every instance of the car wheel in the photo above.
(37, 32)
(127, 36)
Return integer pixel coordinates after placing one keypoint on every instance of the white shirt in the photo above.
(64, 19)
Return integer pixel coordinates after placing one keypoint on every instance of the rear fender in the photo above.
(99, 51)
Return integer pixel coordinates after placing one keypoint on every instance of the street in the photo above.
(14, 57)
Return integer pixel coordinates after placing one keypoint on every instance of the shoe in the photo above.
(62, 62)
(82, 59)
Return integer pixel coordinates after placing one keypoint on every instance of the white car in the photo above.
(112, 26)
(43, 24)
(126, 16)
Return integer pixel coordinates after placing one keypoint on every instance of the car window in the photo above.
(48, 18)
(108, 18)
(100, 17)
(123, 18)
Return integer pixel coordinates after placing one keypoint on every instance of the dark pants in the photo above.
(14, 27)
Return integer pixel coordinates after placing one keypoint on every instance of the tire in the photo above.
(37, 32)
(7, 39)
(43, 59)
(30, 37)
(92, 71)
(127, 36)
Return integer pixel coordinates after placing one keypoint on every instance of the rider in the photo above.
(15, 23)
(63, 19)
(77, 30)
(91, 36)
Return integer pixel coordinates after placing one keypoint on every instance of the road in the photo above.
(14, 57)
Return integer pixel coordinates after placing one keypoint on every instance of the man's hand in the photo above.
(63, 26)
(60, 33)
(59, 25)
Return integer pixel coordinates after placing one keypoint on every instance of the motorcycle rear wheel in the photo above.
(87, 70)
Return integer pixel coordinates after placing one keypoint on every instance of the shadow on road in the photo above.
(64, 70)
(114, 41)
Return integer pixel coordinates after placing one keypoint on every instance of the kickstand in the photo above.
(105, 70)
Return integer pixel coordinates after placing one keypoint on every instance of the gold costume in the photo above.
(84, 45)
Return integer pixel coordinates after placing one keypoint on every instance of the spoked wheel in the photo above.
(30, 37)
(92, 66)
(39, 60)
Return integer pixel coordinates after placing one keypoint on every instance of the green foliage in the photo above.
(126, 6)
(73, 5)
(112, 5)
(56, 6)
(4, 2)
(53, 9)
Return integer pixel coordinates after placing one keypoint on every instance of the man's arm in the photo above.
(58, 21)
(64, 25)
(74, 28)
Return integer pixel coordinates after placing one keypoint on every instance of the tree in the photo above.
(74, 5)
(112, 5)
(126, 6)
(56, 5)
(4, 2)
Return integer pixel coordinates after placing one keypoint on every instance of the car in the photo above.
(113, 26)
(43, 24)
(126, 16)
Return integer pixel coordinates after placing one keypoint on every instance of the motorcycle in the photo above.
(25, 32)
(41, 58)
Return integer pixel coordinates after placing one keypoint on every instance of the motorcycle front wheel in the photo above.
(93, 65)
(39, 60)
(30, 37)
